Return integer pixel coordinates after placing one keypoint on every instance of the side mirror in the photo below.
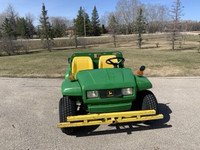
(140, 71)
(142, 68)
(68, 60)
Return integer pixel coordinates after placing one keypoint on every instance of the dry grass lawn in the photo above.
(159, 61)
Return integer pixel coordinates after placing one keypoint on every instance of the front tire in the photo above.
(67, 107)
(149, 101)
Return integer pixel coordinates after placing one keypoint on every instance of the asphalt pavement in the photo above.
(29, 117)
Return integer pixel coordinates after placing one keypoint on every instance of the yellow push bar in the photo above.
(109, 118)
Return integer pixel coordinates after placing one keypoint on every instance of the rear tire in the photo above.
(67, 107)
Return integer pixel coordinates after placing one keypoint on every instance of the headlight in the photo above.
(127, 91)
(92, 94)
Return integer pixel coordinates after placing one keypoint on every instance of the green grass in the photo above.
(158, 61)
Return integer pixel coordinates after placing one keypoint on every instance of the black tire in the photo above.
(149, 101)
(67, 107)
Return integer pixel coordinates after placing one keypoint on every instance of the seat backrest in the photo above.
(81, 63)
(102, 61)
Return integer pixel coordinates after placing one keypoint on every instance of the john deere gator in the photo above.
(98, 89)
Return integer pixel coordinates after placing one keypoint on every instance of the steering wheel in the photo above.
(119, 59)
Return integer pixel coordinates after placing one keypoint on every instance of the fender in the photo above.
(142, 83)
(68, 72)
(71, 88)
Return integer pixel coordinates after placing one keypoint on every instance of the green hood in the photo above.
(109, 78)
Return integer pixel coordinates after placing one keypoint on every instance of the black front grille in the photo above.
(110, 93)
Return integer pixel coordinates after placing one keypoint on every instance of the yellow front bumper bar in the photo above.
(109, 118)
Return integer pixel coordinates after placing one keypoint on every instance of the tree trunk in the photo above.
(140, 41)
(173, 39)
(114, 41)
(76, 42)
(172, 44)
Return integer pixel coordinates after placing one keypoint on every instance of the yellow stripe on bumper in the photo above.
(109, 118)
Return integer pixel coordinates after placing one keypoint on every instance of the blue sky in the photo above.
(69, 8)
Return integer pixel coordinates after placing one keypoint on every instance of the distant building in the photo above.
(70, 31)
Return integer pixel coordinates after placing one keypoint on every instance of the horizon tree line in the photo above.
(157, 16)
(130, 17)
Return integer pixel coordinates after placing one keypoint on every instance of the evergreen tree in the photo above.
(38, 31)
(103, 29)
(87, 24)
(59, 25)
(140, 27)
(81, 20)
(12, 17)
(59, 30)
(9, 25)
(176, 13)
(30, 27)
(6, 28)
(95, 23)
(79, 23)
(46, 32)
(8, 34)
(22, 29)
(25, 28)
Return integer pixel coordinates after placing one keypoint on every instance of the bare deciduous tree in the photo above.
(155, 15)
(104, 20)
(7, 46)
(126, 12)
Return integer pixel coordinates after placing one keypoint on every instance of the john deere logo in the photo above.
(110, 93)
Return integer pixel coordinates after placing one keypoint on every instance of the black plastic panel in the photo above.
(110, 93)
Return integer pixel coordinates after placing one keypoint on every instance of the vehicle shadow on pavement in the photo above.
(129, 127)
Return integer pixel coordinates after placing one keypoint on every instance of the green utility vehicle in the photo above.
(98, 89)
